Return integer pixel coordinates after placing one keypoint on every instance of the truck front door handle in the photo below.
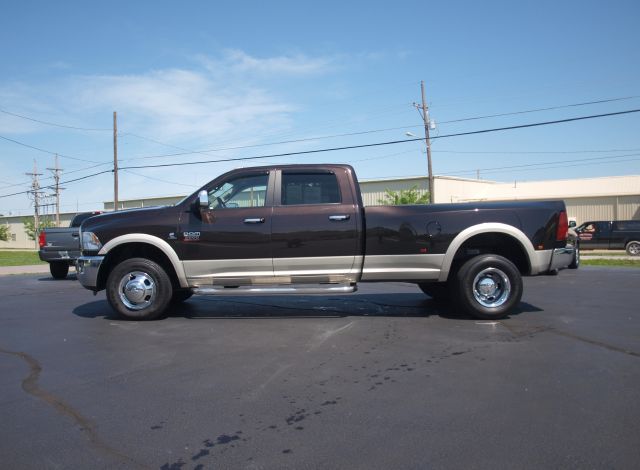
(256, 220)
(338, 218)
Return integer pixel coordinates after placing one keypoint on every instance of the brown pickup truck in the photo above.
(302, 229)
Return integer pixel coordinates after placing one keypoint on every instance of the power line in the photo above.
(51, 177)
(52, 123)
(392, 142)
(551, 108)
(378, 144)
(350, 134)
(307, 139)
(46, 151)
(540, 164)
(161, 180)
(536, 152)
(581, 164)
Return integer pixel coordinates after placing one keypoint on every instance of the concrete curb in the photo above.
(32, 269)
(637, 258)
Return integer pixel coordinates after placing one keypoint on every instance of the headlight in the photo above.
(90, 242)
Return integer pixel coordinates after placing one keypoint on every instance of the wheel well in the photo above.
(492, 243)
(135, 250)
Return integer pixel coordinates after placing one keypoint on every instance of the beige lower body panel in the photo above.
(228, 271)
(401, 267)
(541, 261)
(263, 271)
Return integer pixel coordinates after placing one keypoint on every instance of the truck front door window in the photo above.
(241, 192)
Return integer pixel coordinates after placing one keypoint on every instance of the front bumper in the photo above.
(87, 268)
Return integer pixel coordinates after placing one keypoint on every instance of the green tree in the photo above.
(4, 233)
(404, 196)
(29, 226)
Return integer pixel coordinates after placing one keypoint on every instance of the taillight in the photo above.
(42, 239)
(563, 226)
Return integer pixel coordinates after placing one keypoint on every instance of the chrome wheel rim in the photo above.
(491, 287)
(577, 256)
(137, 290)
(634, 249)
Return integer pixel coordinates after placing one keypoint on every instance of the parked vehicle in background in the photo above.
(60, 247)
(303, 229)
(610, 235)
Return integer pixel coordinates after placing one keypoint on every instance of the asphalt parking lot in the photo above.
(385, 378)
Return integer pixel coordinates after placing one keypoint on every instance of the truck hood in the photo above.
(126, 215)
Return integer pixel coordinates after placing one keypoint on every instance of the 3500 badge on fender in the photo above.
(191, 236)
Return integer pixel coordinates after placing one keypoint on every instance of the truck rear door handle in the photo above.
(338, 218)
(256, 220)
(75, 234)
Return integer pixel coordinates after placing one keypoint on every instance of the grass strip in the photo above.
(633, 263)
(19, 258)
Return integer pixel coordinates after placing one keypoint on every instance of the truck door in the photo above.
(618, 235)
(229, 243)
(595, 235)
(316, 228)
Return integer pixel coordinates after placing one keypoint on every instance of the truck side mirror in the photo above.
(203, 200)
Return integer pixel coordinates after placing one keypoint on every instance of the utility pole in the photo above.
(35, 191)
(115, 161)
(425, 117)
(56, 176)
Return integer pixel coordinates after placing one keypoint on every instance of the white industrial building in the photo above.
(605, 198)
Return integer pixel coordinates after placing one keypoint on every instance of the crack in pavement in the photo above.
(565, 334)
(595, 343)
(30, 386)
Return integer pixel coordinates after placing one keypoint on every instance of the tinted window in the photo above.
(241, 191)
(309, 188)
(628, 225)
(601, 227)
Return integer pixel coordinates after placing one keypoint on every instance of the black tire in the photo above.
(139, 289)
(487, 287)
(438, 291)
(575, 262)
(180, 295)
(633, 248)
(59, 269)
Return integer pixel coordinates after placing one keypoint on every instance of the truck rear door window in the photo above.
(309, 188)
(627, 225)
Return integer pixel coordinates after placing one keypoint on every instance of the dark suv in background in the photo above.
(610, 235)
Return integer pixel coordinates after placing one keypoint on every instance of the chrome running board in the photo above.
(307, 289)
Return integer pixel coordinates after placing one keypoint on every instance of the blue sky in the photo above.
(214, 75)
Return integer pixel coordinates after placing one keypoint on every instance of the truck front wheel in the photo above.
(139, 289)
(59, 269)
(487, 287)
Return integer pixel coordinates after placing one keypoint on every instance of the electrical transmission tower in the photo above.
(56, 177)
(36, 194)
(423, 109)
